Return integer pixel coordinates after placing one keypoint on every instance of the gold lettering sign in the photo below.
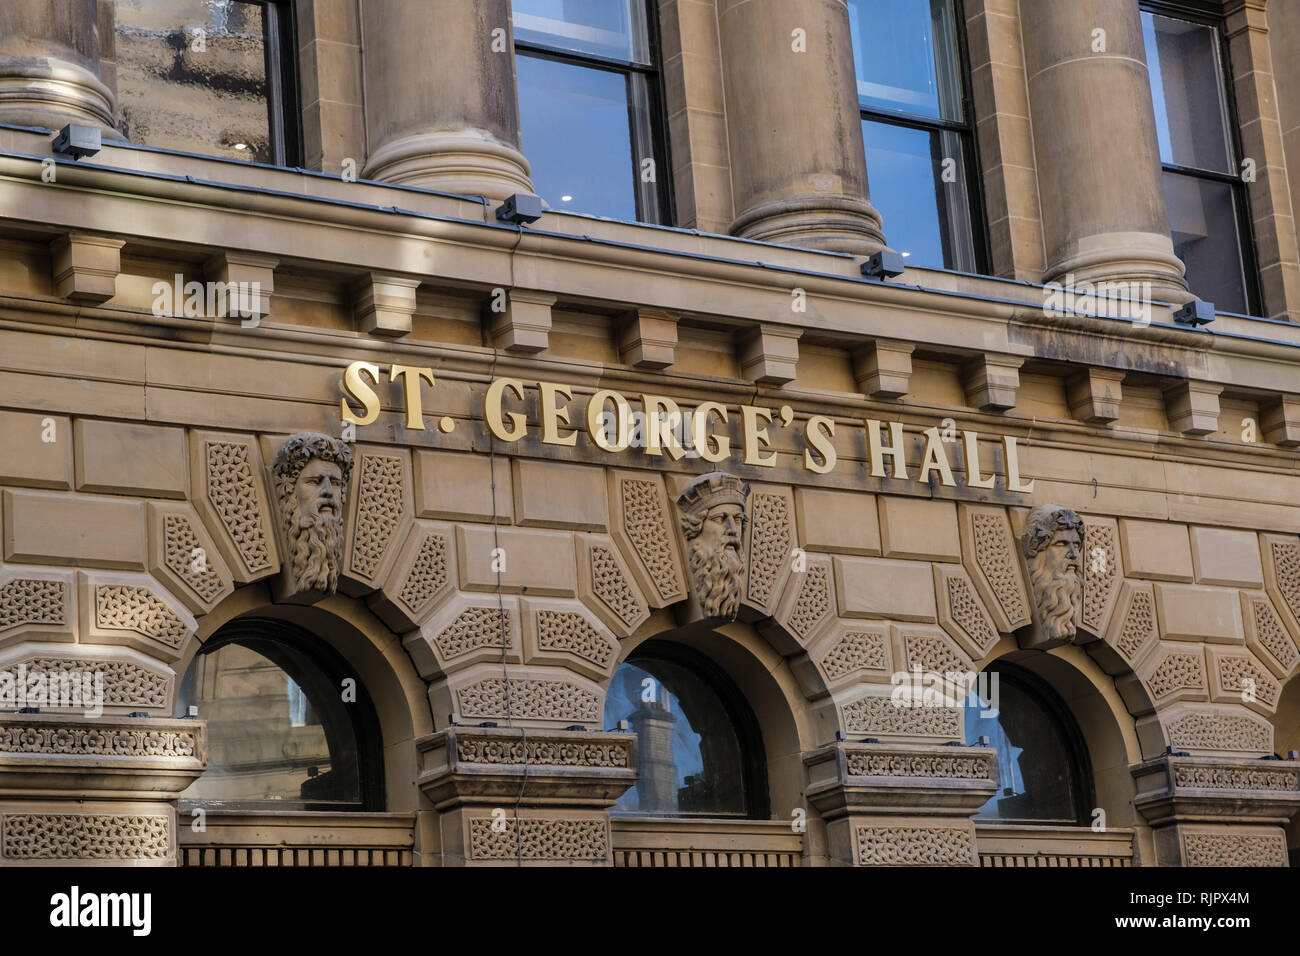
(657, 425)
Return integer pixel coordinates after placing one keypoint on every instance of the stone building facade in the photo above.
(600, 541)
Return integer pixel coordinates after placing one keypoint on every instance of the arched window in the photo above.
(285, 728)
(699, 752)
(1042, 758)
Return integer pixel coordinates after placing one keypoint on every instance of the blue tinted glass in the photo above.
(901, 174)
(610, 28)
(689, 758)
(575, 130)
(905, 55)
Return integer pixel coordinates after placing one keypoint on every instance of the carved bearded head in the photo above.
(311, 477)
(1052, 543)
(713, 520)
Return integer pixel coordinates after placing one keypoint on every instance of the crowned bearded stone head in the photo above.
(311, 478)
(713, 520)
(1052, 543)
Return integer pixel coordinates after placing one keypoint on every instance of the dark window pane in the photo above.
(609, 28)
(171, 94)
(1038, 779)
(925, 218)
(1203, 224)
(689, 755)
(278, 731)
(575, 131)
(1187, 91)
(905, 54)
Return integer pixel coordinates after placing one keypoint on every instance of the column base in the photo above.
(53, 93)
(833, 223)
(469, 162)
(1142, 259)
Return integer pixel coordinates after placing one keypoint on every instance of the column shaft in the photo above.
(440, 101)
(798, 168)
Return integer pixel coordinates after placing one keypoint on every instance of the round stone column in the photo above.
(1099, 179)
(440, 101)
(798, 169)
(50, 66)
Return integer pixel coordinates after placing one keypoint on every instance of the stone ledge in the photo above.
(1181, 789)
(849, 778)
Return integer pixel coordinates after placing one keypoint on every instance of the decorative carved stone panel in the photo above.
(1175, 672)
(532, 696)
(35, 836)
(914, 846)
(1217, 730)
(552, 837)
(124, 679)
(1236, 846)
(1281, 554)
(1237, 676)
(989, 553)
(644, 524)
(1102, 572)
(961, 612)
(565, 632)
(229, 493)
(464, 631)
(876, 715)
(1133, 629)
(606, 585)
(808, 604)
(421, 578)
(183, 556)
(769, 546)
(928, 648)
(135, 610)
(1266, 635)
(379, 509)
(853, 651)
(36, 604)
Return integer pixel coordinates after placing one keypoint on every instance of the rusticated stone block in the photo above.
(465, 631)
(133, 610)
(1156, 550)
(379, 513)
(606, 585)
(539, 562)
(961, 612)
(990, 556)
(769, 546)
(121, 678)
(1197, 613)
(919, 528)
(559, 494)
(38, 450)
(644, 524)
(423, 574)
(808, 603)
(36, 604)
(458, 487)
(1226, 557)
(183, 556)
(552, 697)
(51, 528)
(566, 633)
(872, 587)
(843, 522)
(229, 492)
(1266, 635)
(1175, 672)
(1237, 676)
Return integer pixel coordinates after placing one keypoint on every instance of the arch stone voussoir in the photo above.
(132, 609)
(379, 513)
(129, 680)
(1238, 676)
(853, 652)
(1281, 554)
(643, 522)
(465, 631)
(228, 490)
(1218, 730)
(873, 711)
(769, 546)
(36, 604)
(961, 612)
(808, 604)
(552, 697)
(1267, 636)
(565, 632)
(421, 578)
(989, 556)
(607, 586)
(183, 555)
(1102, 573)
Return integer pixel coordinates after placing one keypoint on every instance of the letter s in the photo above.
(355, 387)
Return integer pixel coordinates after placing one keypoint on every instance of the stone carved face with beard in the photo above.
(311, 477)
(713, 520)
(1053, 547)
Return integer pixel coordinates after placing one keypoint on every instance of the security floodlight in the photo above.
(77, 141)
(520, 209)
(624, 725)
(1194, 313)
(885, 264)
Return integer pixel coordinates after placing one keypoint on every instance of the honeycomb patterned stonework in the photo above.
(1231, 849)
(570, 631)
(380, 498)
(232, 492)
(428, 574)
(813, 602)
(915, 846)
(187, 559)
(995, 555)
(124, 607)
(1101, 574)
(935, 655)
(125, 684)
(879, 716)
(1219, 731)
(530, 839)
(608, 584)
(528, 699)
(1177, 671)
(969, 615)
(473, 628)
(1272, 634)
(770, 544)
(1139, 625)
(856, 650)
(32, 601)
(646, 524)
(82, 836)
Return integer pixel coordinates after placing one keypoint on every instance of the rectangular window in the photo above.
(213, 77)
(1205, 195)
(589, 113)
(917, 129)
